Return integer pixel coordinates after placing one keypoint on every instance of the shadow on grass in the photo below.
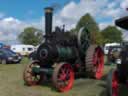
(79, 82)
(123, 89)
(47, 84)
(103, 93)
(50, 85)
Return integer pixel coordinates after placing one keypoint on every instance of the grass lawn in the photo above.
(12, 84)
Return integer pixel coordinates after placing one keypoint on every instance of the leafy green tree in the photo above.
(88, 22)
(31, 35)
(111, 34)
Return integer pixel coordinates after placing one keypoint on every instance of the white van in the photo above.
(23, 49)
(108, 45)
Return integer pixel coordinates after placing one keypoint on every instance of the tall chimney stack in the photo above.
(48, 20)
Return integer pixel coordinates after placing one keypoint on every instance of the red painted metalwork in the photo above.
(65, 78)
(115, 84)
(98, 61)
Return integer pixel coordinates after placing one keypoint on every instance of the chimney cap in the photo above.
(48, 9)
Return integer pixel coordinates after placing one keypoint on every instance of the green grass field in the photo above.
(12, 84)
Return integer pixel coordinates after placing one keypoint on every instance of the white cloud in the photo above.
(10, 28)
(11, 24)
(112, 5)
(114, 13)
(124, 4)
(103, 25)
(72, 12)
(69, 15)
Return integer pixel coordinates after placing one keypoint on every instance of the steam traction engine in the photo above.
(120, 74)
(64, 56)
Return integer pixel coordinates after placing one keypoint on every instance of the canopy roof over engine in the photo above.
(122, 22)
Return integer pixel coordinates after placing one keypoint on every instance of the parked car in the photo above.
(7, 56)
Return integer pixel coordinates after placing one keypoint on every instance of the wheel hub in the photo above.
(63, 77)
(29, 77)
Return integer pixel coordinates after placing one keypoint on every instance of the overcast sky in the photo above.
(15, 15)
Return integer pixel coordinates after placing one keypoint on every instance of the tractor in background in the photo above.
(120, 74)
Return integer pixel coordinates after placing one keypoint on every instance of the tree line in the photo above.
(110, 34)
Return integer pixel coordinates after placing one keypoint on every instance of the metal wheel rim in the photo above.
(29, 77)
(86, 42)
(98, 61)
(65, 78)
(115, 84)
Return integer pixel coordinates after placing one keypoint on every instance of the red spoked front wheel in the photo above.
(29, 77)
(63, 77)
(112, 83)
(115, 84)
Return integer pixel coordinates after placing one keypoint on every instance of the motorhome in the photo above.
(108, 45)
(24, 50)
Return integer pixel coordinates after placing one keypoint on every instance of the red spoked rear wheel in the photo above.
(98, 61)
(63, 77)
(94, 62)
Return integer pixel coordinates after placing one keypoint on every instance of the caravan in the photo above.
(24, 50)
(108, 45)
